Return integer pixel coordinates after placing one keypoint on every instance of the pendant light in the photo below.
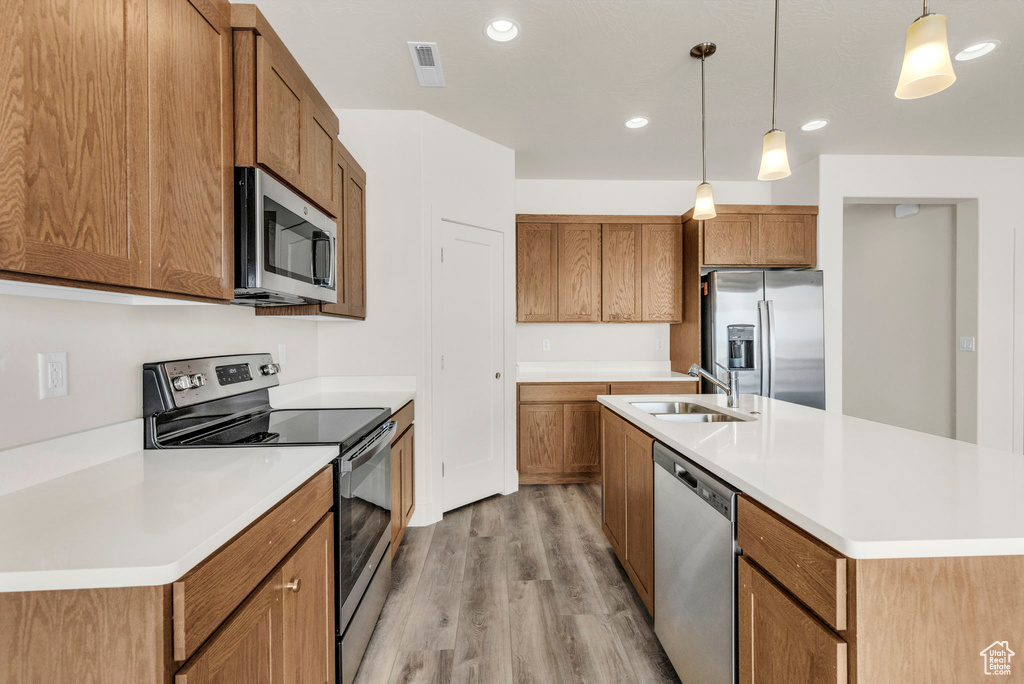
(774, 158)
(927, 68)
(704, 205)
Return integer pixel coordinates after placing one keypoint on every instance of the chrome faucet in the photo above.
(732, 390)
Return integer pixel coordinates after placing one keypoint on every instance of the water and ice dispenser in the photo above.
(741, 347)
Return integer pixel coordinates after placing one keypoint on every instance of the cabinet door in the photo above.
(780, 642)
(248, 648)
(541, 438)
(579, 272)
(318, 157)
(621, 277)
(191, 147)
(613, 480)
(730, 240)
(73, 140)
(354, 215)
(397, 506)
(408, 477)
(279, 113)
(787, 240)
(639, 562)
(341, 172)
(536, 272)
(662, 273)
(582, 438)
(308, 608)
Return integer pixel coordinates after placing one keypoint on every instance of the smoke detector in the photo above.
(427, 62)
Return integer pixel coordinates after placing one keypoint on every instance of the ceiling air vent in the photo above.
(427, 62)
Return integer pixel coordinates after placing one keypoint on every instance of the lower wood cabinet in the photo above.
(559, 433)
(403, 483)
(781, 642)
(627, 480)
(284, 631)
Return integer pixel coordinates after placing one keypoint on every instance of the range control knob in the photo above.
(270, 369)
(181, 383)
(198, 380)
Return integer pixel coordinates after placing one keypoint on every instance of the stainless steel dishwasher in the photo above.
(694, 569)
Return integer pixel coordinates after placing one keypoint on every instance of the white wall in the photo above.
(607, 342)
(995, 183)
(107, 345)
(899, 317)
(420, 170)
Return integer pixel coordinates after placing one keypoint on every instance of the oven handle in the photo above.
(377, 445)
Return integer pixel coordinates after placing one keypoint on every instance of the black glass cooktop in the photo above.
(295, 428)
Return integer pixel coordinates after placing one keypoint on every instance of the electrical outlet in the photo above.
(660, 344)
(546, 345)
(53, 375)
(967, 344)
(282, 354)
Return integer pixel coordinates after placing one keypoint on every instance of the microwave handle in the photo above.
(322, 240)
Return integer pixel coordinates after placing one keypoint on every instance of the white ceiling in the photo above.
(560, 92)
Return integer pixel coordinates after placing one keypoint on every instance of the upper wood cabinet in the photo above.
(116, 144)
(595, 268)
(767, 236)
(282, 123)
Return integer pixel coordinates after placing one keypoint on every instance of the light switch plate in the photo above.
(53, 375)
(967, 344)
(660, 344)
(282, 354)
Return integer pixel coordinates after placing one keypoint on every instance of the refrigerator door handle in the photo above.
(771, 348)
(762, 322)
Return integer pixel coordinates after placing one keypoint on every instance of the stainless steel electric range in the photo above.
(223, 401)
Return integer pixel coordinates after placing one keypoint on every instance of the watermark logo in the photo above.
(997, 658)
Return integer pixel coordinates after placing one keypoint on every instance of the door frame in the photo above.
(438, 219)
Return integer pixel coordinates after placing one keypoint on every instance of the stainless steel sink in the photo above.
(685, 412)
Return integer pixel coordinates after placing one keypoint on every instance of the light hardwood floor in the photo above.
(519, 588)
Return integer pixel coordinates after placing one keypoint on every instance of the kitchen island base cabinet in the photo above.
(627, 483)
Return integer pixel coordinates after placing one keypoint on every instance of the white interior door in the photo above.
(472, 349)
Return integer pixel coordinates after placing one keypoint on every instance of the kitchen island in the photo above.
(870, 553)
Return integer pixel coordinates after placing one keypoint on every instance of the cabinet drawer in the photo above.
(207, 594)
(562, 392)
(683, 387)
(811, 571)
(404, 417)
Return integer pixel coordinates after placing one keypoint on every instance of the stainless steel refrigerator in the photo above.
(769, 325)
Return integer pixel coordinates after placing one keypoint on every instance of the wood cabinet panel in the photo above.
(639, 560)
(662, 283)
(579, 272)
(780, 642)
(683, 387)
(73, 140)
(318, 157)
(207, 594)
(562, 392)
(408, 476)
(613, 480)
(191, 148)
(354, 217)
(541, 438)
(279, 112)
(622, 269)
(582, 438)
(731, 240)
(536, 272)
(397, 530)
(403, 418)
(403, 485)
(308, 608)
(787, 240)
(810, 570)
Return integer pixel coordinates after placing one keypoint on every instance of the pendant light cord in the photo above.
(703, 133)
(775, 71)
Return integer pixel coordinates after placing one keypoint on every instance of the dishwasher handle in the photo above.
(683, 474)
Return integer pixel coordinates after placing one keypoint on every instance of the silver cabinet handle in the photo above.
(294, 585)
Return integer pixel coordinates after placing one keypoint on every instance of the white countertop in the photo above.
(867, 489)
(607, 371)
(93, 510)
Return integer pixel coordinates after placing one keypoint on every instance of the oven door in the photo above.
(363, 491)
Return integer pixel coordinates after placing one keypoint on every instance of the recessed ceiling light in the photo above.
(815, 124)
(977, 50)
(637, 122)
(502, 30)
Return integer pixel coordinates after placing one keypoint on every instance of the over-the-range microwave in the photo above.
(285, 248)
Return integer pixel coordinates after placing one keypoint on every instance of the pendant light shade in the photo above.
(927, 68)
(704, 203)
(774, 158)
